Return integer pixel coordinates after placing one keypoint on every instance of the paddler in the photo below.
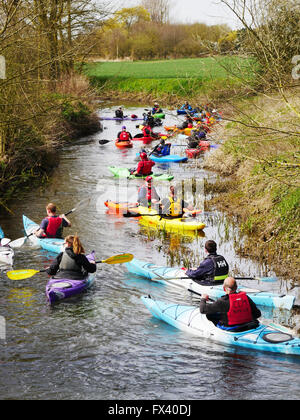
(233, 311)
(213, 269)
(52, 226)
(144, 166)
(72, 262)
(174, 206)
(156, 109)
(119, 113)
(124, 135)
(147, 194)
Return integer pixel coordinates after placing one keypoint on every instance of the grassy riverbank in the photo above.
(259, 182)
(170, 79)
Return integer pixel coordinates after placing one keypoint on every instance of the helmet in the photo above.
(124, 127)
(143, 155)
(148, 178)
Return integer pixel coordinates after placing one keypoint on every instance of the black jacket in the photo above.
(81, 260)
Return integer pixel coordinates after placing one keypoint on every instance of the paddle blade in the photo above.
(118, 259)
(21, 274)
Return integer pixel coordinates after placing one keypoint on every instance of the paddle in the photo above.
(17, 243)
(104, 141)
(25, 274)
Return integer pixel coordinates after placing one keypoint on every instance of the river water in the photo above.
(105, 344)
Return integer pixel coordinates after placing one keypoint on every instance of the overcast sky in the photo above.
(211, 12)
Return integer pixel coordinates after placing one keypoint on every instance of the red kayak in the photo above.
(192, 153)
(123, 144)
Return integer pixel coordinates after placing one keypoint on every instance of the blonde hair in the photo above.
(74, 242)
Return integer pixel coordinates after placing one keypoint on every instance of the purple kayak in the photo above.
(58, 289)
(121, 119)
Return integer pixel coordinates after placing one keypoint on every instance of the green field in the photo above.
(180, 77)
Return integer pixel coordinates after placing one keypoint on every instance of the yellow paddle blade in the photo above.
(118, 259)
(21, 274)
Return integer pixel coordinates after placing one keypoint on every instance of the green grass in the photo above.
(180, 77)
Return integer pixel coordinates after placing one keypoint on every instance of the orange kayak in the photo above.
(123, 144)
(121, 207)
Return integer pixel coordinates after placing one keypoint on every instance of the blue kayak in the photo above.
(270, 338)
(54, 245)
(184, 112)
(1, 233)
(176, 278)
(167, 158)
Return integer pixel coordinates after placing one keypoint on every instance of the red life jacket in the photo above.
(146, 131)
(239, 309)
(124, 136)
(145, 167)
(54, 223)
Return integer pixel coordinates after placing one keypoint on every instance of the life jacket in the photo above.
(145, 167)
(221, 268)
(68, 264)
(124, 136)
(54, 224)
(175, 207)
(239, 309)
(146, 131)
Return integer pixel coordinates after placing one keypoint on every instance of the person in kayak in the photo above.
(147, 194)
(144, 166)
(124, 135)
(72, 262)
(156, 109)
(119, 113)
(162, 149)
(233, 311)
(213, 269)
(187, 123)
(52, 226)
(186, 107)
(174, 206)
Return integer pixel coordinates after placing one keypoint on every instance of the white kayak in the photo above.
(6, 255)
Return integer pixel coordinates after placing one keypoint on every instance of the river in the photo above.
(104, 344)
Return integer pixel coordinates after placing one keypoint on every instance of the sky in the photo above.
(211, 12)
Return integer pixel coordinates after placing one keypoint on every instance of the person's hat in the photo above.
(124, 127)
(143, 155)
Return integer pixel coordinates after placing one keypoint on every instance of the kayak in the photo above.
(185, 131)
(170, 276)
(183, 111)
(124, 173)
(167, 158)
(121, 207)
(1, 233)
(159, 115)
(192, 153)
(123, 144)
(121, 119)
(49, 244)
(6, 255)
(178, 224)
(270, 338)
(58, 289)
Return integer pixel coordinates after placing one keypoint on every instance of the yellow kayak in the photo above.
(180, 224)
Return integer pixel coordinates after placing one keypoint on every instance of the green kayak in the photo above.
(160, 115)
(124, 173)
